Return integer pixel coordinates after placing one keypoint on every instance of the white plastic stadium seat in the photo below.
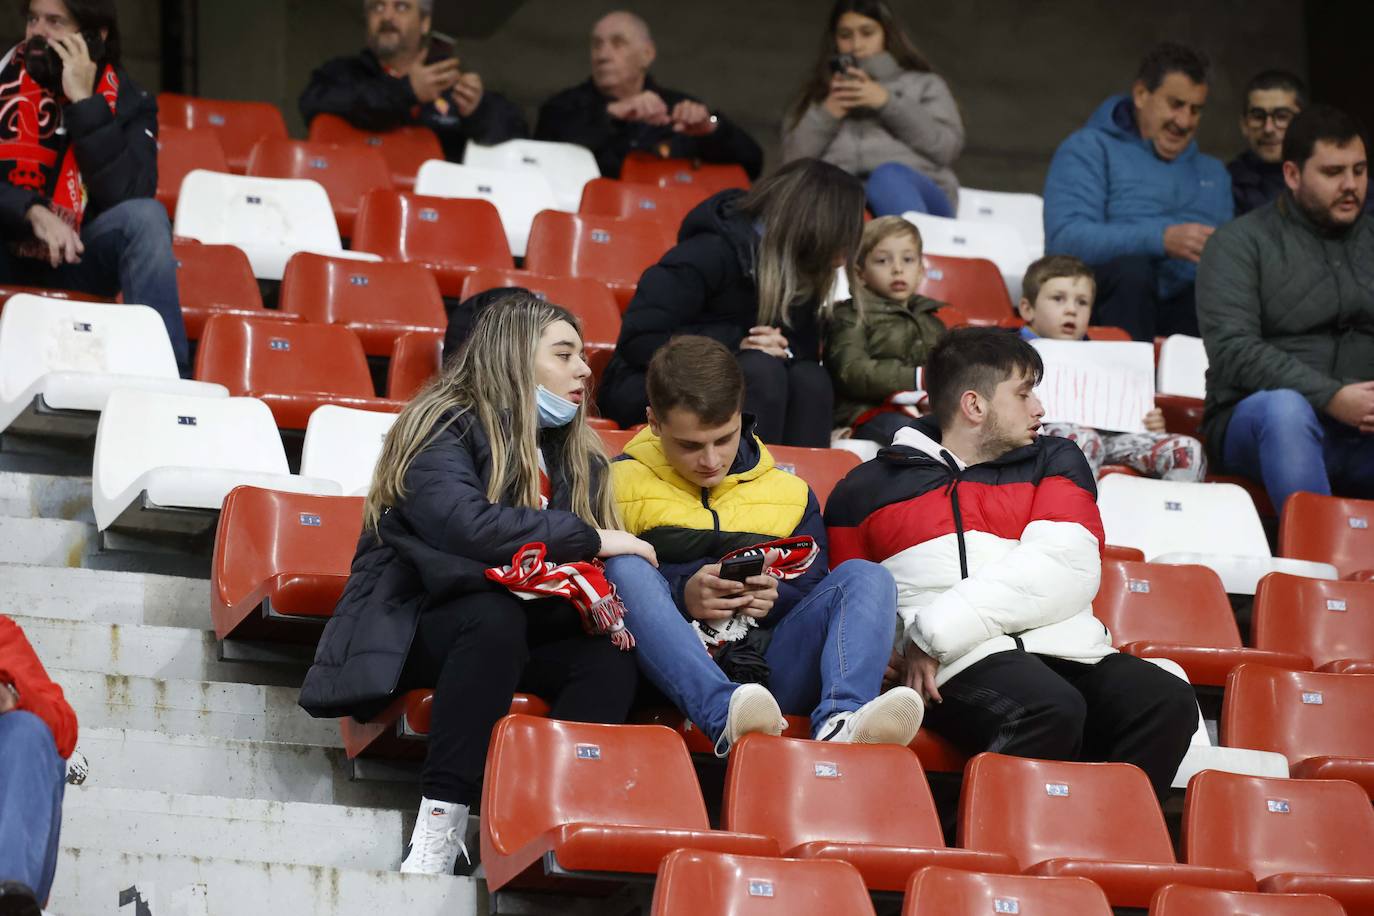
(342, 445)
(1211, 524)
(866, 449)
(1026, 212)
(567, 166)
(166, 462)
(517, 195)
(60, 359)
(269, 218)
(1182, 367)
(1000, 243)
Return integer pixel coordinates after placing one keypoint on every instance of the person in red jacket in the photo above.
(37, 734)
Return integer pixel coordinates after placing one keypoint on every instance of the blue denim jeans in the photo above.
(1278, 438)
(827, 655)
(894, 189)
(32, 779)
(129, 251)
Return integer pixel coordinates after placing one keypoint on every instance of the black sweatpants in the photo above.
(792, 400)
(477, 651)
(1122, 709)
(1127, 298)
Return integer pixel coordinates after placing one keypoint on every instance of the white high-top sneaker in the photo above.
(892, 718)
(752, 709)
(437, 839)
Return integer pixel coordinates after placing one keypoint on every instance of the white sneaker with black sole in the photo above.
(437, 839)
(752, 709)
(892, 718)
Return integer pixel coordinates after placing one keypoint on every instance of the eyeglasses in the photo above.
(1256, 117)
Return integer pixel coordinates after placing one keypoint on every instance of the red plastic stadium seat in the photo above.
(822, 468)
(378, 301)
(1182, 900)
(1182, 415)
(399, 732)
(637, 200)
(615, 440)
(293, 367)
(1332, 622)
(614, 251)
(1322, 723)
(1093, 820)
(280, 563)
(345, 172)
(836, 801)
(416, 358)
(691, 883)
(180, 151)
(240, 125)
(963, 893)
(568, 799)
(972, 285)
(1112, 552)
(952, 317)
(1180, 613)
(1296, 836)
(404, 148)
(707, 177)
(1095, 332)
(451, 236)
(1329, 529)
(217, 280)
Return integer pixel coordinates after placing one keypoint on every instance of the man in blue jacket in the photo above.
(1130, 194)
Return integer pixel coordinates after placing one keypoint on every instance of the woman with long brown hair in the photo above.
(875, 107)
(494, 455)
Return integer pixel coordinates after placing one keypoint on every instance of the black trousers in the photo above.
(1123, 709)
(883, 427)
(793, 400)
(1127, 299)
(477, 651)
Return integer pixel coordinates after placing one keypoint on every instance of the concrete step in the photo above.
(158, 823)
(107, 597)
(206, 709)
(97, 880)
(144, 651)
(44, 541)
(65, 543)
(45, 496)
(230, 768)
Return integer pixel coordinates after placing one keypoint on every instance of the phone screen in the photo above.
(740, 569)
(441, 47)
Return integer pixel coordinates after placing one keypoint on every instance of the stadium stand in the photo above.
(962, 893)
(1023, 212)
(415, 360)
(342, 445)
(239, 125)
(997, 242)
(614, 251)
(181, 151)
(404, 148)
(517, 195)
(636, 200)
(566, 166)
(707, 177)
(450, 237)
(217, 280)
(973, 286)
(346, 172)
(1182, 900)
(1329, 529)
(691, 881)
(1330, 622)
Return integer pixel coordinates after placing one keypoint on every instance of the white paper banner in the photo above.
(1108, 385)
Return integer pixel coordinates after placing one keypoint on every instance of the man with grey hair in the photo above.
(621, 109)
(402, 77)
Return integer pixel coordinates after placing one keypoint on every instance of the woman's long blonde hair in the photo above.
(811, 213)
(492, 376)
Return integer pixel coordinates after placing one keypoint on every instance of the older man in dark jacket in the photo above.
(1286, 306)
(78, 145)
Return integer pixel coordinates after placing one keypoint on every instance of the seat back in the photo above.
(566, 166)
(821, 468)
(250, 356)
(1182, 367)
(615, 440)
(691, 882)
(180, 151)
(432, 230)
(241, 210)
(378, 300)
(1323, 619)
(417, 358)
(1023, 212)
(964, 893)
(1163, 516)
(346, 172)
(213, 278)
(1299, 714)
(1270, 826)
(706, 177)
(239, 125)
(636, 200)
(998, 242)
(972, 285)
(1035, 810)
(602, 247)
(1186, 900)
(1154, 602)
(517, 195)
(342, 444)
(1328, 529)
(586, 298)
(542, 773)
(799, 791)
(404, 148)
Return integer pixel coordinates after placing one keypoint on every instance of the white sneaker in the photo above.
(752, 709)
(893, 718)
(437, 839)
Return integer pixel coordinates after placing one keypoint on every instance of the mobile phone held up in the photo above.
(739, 569)
(841, 63)
(441, 47)
(45, 67)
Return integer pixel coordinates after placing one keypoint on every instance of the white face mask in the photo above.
(554, 411)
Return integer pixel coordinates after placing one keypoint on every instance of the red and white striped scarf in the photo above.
(794, 557)
(584, 585)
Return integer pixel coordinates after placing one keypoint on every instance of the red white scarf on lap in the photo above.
(794, 557)
(35, 153)
(907, 403)
(585, 585)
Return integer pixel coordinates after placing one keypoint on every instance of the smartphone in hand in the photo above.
(739, 569)
(441, 47)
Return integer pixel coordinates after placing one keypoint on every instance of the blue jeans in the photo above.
(129, 251)
(1278, 438)
(894, 189)
(827, 655)
(32, 779)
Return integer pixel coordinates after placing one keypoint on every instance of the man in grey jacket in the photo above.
(1285, 300)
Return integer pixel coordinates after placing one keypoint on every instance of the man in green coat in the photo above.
(1285, 299)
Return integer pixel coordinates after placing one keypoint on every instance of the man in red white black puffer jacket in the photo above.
(993, 535)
